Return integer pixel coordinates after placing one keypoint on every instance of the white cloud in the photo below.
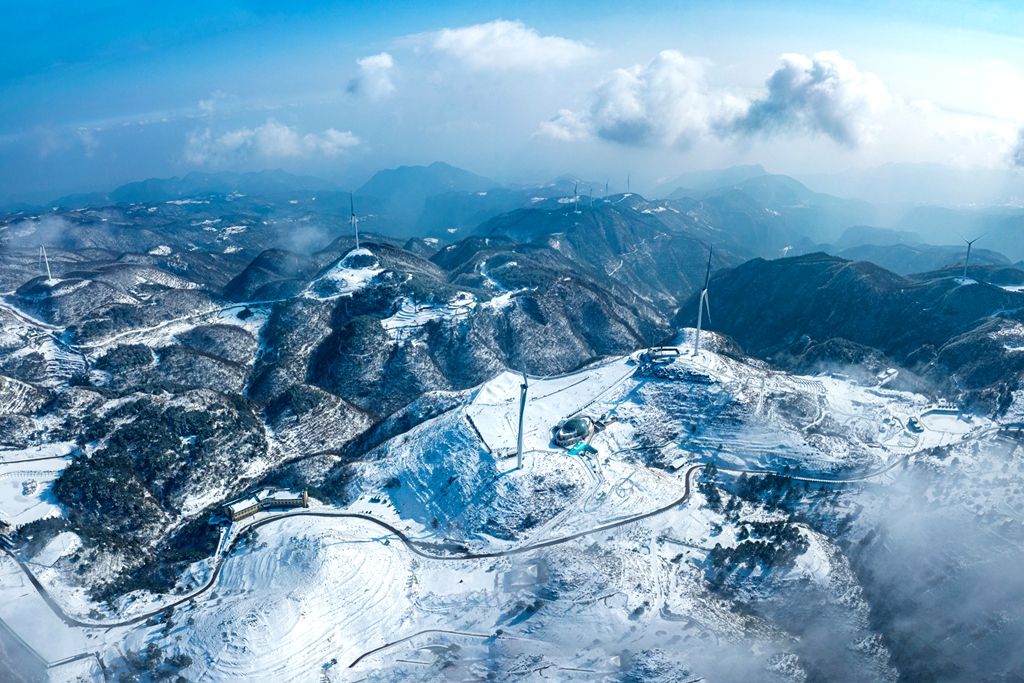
(272, 139)
(669, 103)
(824, 94)
(87, 138)
(331, 142)
(502, 44)
(567, 126)
(664, 103)
(1017, 156)
(209, 105)
(374, 79)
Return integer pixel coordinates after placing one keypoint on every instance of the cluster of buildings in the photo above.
(267, 499)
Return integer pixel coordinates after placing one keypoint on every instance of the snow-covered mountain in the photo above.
(710, 515)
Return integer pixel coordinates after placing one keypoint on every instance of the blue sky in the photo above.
(93, 94)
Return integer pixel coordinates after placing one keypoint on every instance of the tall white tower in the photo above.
(522, 410)
(967, 260)
(43, 257)
(702, 305)
(355, 220)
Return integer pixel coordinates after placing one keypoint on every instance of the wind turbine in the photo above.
(606, 189)
(702, 304)
(354, 219)
(43, 257)
(627, 183)
(575, 198)
(967, 260)
(522, 410)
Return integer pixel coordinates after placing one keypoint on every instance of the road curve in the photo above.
(414, 546)
(420, 633)
(823, 480)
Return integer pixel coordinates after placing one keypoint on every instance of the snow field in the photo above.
(308, 591)
(412, 315)
(341, 280)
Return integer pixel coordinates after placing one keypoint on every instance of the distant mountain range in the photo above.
(702, 181)
(909, 184)
(744, 209)
(196, 184)
(818, 311)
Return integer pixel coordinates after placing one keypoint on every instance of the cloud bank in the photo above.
(374, 78)
(270, 140)
(506, 45)
(823, 94)
(669, 103)
(665, 103)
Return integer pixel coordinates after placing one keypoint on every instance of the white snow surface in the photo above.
(309, 591)
(495, 406)
(411, 315)
(340, 280)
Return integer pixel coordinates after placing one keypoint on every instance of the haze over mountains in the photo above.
(770, 215)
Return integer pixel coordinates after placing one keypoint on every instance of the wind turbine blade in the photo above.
(707, 273)
(707, 307)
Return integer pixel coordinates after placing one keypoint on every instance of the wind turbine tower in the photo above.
(522, 410)
(354, 218)
(43, 257)
(702, 305)
(576, 198)
(967, 260)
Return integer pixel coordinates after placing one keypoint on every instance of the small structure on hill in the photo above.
(267, 499)
(1014, 429)
(285, 499)
(582, 448)
(659, 355)
(573, 430)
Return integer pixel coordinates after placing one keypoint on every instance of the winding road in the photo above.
(414, 546)
(418, 548)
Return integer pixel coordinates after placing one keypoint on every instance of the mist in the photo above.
(939, 555)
